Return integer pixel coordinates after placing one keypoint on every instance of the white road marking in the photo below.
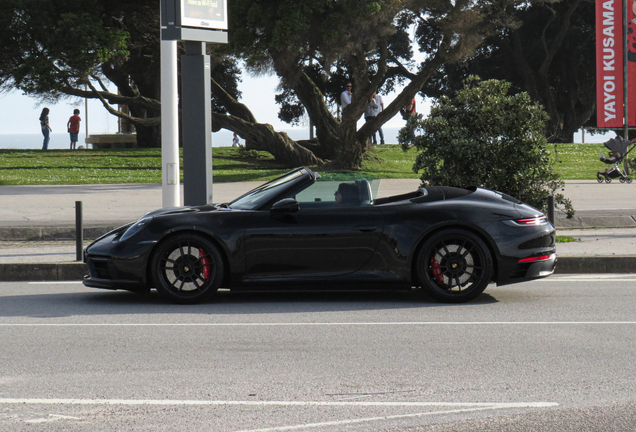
(51, 418)
(590, 277)
(368, 419)
(489, 405)
(321, 324)
(459, 407)
(55, 283)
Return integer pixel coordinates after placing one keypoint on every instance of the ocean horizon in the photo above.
(222, 138)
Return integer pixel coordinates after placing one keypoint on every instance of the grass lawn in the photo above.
(36, 167)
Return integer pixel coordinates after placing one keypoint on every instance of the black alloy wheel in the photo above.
(454, 266)
(187, 268)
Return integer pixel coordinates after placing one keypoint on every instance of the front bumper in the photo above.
(106, 273)
(116, 265)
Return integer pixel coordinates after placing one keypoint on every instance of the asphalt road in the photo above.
(556, 354)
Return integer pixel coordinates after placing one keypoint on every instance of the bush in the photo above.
(488, 138)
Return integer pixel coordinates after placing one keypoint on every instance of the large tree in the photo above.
(57, 47)
(312, 45)
(85, 48)
(550, 54)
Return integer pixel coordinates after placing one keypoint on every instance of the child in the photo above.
(235, 141)
(73, 126)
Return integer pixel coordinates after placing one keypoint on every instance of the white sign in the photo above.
(209, 14)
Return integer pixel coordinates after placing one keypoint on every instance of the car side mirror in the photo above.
(284, 206)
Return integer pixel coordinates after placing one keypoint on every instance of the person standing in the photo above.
(369, 114)
(46, 129)
(380, 107)
(345, 96)
(409, 110)
(73, 127)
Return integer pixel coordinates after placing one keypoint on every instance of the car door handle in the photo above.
(366, 228)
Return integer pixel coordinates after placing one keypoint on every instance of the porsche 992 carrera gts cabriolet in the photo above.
(298, 231)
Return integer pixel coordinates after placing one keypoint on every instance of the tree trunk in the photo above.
(285, 150)
(148, 136)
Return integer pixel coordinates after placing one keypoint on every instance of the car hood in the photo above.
(184, 209)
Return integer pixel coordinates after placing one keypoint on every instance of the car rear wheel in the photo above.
(187, 268)
(454, 266)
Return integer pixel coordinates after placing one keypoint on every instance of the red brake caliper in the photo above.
(205, 262)
(437, 272)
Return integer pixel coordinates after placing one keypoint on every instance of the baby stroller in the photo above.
(619, 148)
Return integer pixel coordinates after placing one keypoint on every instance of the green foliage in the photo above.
(47, 46)
(566, 239)
(547, 50)
(488, 138)
(112, 166)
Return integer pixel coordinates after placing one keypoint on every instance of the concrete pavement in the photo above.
(37, 223)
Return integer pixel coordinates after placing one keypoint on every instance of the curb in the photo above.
(586, 222)
(72, 271)
(595, 264)
(51, 233)
(43, 272)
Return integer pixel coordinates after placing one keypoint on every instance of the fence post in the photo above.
(79, 232)
(551, 209)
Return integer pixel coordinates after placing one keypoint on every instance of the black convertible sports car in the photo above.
(298, 231)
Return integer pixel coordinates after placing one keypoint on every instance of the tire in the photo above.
(608, 180)
(454, 266)
(622, 180)
(629, 180)
(187, 268)
(599, 179)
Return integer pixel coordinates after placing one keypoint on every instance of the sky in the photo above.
(20, 113)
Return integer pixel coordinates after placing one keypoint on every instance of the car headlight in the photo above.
(135, 228)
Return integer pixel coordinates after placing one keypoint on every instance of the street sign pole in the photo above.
(194, 23)
(196, 122)
(170, 183)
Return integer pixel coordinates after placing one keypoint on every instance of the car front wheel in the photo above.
(454, 266)
(187, 268)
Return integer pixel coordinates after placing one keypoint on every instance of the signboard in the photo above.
(204, 14)
(194, 20)
(609, 64)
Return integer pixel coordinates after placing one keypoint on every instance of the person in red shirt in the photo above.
(73, 126)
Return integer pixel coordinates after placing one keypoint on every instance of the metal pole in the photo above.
(170, 183)
(86, 115)
(625, 75)
(196, 124)
(625, 83)
(79, 232)
(551, 209)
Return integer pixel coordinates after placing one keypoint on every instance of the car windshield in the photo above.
(262, 194)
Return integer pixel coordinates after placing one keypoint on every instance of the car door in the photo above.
(313, 242)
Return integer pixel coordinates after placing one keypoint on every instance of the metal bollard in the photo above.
(79, 232)
(551, 209)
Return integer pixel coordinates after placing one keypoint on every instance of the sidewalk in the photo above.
(37, 224)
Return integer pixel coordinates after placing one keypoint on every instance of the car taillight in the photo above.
(535, 259)
(539, 220)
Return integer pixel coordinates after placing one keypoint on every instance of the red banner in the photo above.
(609, 63)
(631, 61)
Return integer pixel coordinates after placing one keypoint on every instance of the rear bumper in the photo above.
(541, 269)
(515, 271)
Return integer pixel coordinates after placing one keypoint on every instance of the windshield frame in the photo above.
(264, 196)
